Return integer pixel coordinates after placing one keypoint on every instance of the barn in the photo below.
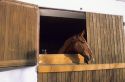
(27, 29)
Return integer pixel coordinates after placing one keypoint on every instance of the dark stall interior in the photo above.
(55, 30)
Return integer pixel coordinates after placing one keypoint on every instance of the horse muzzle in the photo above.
(89, 59)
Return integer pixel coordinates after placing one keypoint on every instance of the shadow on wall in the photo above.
(31, 58)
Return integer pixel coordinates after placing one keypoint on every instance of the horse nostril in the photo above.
(88, 58)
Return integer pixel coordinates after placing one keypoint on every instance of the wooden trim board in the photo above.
(67, 68)
(10, 63)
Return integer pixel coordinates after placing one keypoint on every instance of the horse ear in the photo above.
(83, 32)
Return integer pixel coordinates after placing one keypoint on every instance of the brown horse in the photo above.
(78, 44)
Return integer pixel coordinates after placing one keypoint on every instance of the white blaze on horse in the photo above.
(78, 45)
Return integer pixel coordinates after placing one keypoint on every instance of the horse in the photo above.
(77, 44)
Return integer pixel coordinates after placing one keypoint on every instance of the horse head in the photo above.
(78, 44)
(83, 48)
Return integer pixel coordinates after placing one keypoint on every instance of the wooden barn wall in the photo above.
(18, 31)
(105, 35)
(114, 75)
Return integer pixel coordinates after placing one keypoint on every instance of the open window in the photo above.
(58, 25)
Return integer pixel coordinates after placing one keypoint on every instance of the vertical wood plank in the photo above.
(120, 27)
(118, 40)
(115, 39)
(2, 29)
(94, 35)
(100, 27)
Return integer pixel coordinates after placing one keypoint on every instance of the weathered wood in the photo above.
(11, 63)
(65, 68)
(105, 37)
(82, 76)
(18, 32)
(60, 59)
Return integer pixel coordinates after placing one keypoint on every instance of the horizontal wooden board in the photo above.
(60, 58)
(11, 63)
(67, 68)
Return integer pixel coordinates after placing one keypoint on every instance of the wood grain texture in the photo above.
(67, 68)
(81, 76)
(60, 59)
(105, 37)
(18, 32)
(11, 63)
